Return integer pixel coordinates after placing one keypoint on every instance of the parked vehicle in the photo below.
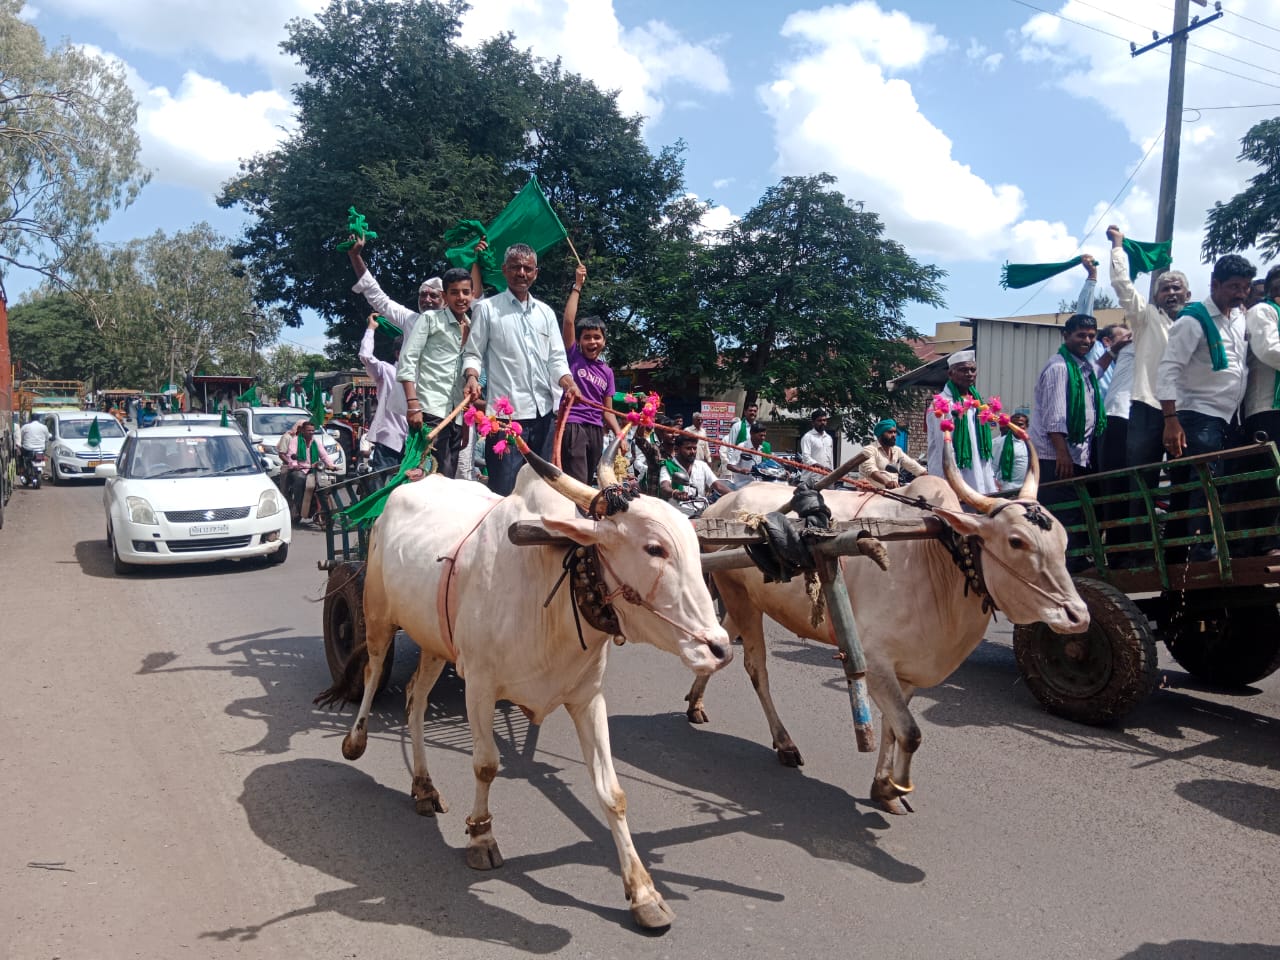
(71, 455)
(185, 493)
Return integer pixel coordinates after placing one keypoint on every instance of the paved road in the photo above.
(167, 789)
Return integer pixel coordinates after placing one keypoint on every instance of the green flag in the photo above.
(223, 421)
(249, 397)
(526, 219)
(95, 435)
(387, 327)
(1144, 257)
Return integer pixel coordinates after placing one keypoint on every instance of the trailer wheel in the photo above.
(1230, 647)
(1094, 677)
(344, 621)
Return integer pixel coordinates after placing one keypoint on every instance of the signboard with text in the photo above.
(717, 415)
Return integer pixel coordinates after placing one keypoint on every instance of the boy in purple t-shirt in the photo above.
(583, 442)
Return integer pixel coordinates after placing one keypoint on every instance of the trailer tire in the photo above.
(1229, 647)
(344, 623)
(1095, 677)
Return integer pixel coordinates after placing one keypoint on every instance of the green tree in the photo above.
(53, 337)
(416, 132)
(1102, 300)
(1252, 217)
(805, 292)
(68, 147)
(179, 305)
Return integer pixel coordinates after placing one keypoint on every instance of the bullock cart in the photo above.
(346, 548)
(1143, 580)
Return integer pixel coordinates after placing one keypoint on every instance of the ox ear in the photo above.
(580, 531)
(965, 524)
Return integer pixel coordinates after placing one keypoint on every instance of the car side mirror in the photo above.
(105, 471)
(254, 437)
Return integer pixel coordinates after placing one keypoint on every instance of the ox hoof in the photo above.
(890, 798)
(789, 755)
(483, 854)
(652, 914)
(696, 714)
(352, 748)
(429, 804)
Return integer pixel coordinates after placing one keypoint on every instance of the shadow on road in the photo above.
(94, 558)
(1202, 950)
(1248, 804)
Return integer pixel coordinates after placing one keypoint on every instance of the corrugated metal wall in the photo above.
(1010, 356)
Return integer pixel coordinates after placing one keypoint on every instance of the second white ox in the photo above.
(917, 621)
(441, 567)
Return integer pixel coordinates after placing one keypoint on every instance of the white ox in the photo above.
(916, 621)
(483, 610)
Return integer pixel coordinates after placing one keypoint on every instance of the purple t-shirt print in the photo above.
(595, 379)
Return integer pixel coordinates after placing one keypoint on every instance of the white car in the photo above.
(70, 455)
(183, 493)
(273, 461)
(271, 423)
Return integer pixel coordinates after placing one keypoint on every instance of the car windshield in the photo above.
(274, 424)
(156, 458)
(79, 429)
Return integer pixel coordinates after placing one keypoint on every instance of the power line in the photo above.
(1238, 76)
(1087, 26)
(1228, 56)
(1241, 36)
(1259, 23)
(1110, 206)
(1144, 26)
(1236, 106)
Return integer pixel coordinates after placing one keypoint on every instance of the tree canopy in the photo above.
(398, 119)
(1252, 217)
(68, 147)
(805, 293)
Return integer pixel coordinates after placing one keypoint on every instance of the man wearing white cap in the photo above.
(430, 294)
(971, 440)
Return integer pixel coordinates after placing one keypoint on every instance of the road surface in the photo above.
(168, 790)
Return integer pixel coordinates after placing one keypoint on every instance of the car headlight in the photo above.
(62, 451)
(268, 504)
(140, 511)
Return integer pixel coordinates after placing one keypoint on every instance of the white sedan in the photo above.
(183, 493)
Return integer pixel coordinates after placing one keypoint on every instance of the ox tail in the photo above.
(349, 686)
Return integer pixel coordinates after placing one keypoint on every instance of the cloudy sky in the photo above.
(980, 132)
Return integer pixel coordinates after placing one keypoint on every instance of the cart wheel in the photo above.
(344, 621)
(1231, 647)
(1097, 676)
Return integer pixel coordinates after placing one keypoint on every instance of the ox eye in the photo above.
(656, 550)
(1017, 543)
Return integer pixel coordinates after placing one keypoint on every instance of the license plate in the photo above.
(209, 529)
(93, 463)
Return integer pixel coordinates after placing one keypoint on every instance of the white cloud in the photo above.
(840, 87)
(1131, 90)
(640, 63)
(982, 56)
(722, 182)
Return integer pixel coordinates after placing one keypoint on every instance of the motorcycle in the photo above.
(32, 469)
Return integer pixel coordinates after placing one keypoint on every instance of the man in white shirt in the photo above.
(971, 441)
(32, 438)
(817, 446)
(738, 465)
(701, 479)
(388, 427)
(704, 448)
(1150, 323)
(1201, 378)
(1262, 396)
(516, 339)
(1010, 454)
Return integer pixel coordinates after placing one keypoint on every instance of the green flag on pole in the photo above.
(250, 397)
(526, 219)
(95, 435)
(315, 397)
(1144, 257)
(223, 421)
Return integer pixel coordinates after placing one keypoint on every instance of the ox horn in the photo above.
(1031, 483)
(966, 493)
(605, 475)
(561, 482)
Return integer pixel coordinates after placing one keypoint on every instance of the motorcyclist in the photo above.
(33, 438)
(738, 465)
(699, 477)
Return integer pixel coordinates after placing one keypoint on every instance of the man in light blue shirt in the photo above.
(516, 340)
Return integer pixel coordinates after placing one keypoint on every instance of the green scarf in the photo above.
(672, 467)
(1212, 336)
(743, 430)
(960, 439)
(363, 512)
(1143, 258)
(1007, 458)
(1075, 399)
(1275, 399)
(310, 454)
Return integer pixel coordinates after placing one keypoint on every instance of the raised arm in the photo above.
(1134, 304)
(1084, 302)
(568, 331)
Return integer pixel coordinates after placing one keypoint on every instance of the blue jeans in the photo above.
(539, 434)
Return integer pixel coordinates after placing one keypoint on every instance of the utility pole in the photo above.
(1183, 24)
